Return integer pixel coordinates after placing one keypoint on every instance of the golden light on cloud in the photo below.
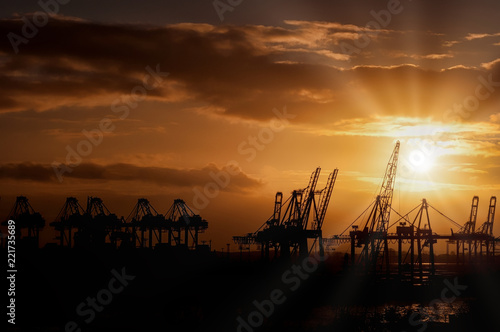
(270, 89)
(406, 128)
(434, 155)
(225, 81)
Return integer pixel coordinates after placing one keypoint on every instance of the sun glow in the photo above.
(421, 162)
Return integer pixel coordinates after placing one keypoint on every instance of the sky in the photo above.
(224, 103)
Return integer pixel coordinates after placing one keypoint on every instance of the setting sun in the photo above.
(176, 140)
(421, 162)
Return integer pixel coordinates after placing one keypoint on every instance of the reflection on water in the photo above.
(438, 312)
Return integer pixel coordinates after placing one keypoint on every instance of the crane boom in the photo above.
(309, 197)
(470, 225)
(387, 189)
(374, 233)
(491, 214)
(325, 198)
(487, 227)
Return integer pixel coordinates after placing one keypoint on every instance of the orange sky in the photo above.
(277, 94)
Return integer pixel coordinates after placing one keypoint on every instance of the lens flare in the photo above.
(421, 162)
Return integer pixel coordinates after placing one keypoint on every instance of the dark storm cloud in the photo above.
(161, 176)
(26, 171)
(80, 60)
(243, 71)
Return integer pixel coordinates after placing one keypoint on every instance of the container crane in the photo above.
(288, 229)
(374, 233)
(180, 218)
(486, 230)
(144, 218)
(26, 218)
(99, 223)
(467, 232)
(70, 216)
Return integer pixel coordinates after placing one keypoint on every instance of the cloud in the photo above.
(473, 139)
(459, 67)
(400, 127)
(469, 170)
(495, 118)
(433, 56)
(323, 25)
(491, 65)
(405, 65)
(27, 171)
(240, 71)
(161, 176)
(473, 36)
(61, 67)
(450, 43)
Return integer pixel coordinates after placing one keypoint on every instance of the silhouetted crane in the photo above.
(486, 231)
(71, 215)
(181, 218)
(373, 235)
(26, 218)
(487, 226)
(288, 229)
(469, 229)
(144, 217)
(98, 224)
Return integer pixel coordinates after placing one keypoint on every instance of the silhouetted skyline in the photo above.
(162, 99)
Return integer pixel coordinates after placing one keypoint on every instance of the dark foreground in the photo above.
(142, 290)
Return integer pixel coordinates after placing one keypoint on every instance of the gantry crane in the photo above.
(144, 218)
(466, 235)
(374, 233)
(487, 227)
(180, 218)
(326, 194)
(486, 230)
(294, 236)
(273, 224)
(72, 216)
(98, 224)
(288, 229)
(419, 231)
(470, 225)
(26, 218)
